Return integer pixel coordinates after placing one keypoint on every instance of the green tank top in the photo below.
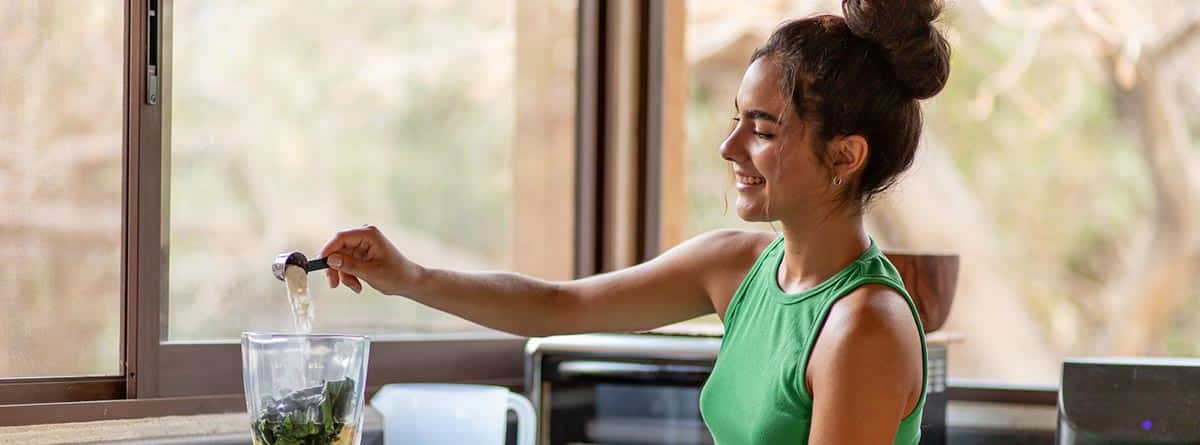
(756, 393)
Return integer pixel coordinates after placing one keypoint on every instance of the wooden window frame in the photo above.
(163, 377)
(158, 367)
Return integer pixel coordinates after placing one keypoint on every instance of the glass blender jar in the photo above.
(304, 388)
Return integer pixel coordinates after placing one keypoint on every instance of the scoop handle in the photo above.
(316, 264)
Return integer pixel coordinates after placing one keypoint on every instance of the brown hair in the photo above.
(864, 75)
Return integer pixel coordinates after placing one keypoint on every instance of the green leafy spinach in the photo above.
(309, 416)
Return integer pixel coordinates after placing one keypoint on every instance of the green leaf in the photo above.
(288, 420)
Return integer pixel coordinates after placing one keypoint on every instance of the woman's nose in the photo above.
(732, 149)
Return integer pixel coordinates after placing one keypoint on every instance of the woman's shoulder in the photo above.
(721, 250)
(873, 324)
(726, 256)
(873, 309)
(868, 357)
(744, 245)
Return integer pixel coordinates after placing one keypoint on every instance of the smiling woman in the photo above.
(827, 117)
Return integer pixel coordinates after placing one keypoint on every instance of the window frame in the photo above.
(164, 377)
(166, 368)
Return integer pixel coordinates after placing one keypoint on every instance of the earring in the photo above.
(837, 181)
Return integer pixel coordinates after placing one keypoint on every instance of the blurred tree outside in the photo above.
(60, 187)
(287, 123)
(290, 123)
(335, 115)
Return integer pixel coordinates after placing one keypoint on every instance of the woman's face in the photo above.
(777, 172)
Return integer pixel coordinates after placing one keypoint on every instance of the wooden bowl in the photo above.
(931, 279)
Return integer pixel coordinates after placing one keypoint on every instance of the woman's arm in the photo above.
(865, 373)
(675, 286)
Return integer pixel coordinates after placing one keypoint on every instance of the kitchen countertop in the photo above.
(207, 429)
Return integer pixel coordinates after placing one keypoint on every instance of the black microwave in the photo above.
(1124, 400)
(645, 389)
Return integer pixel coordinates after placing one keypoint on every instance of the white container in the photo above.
(451, 414)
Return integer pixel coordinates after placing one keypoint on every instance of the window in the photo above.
(60, 187)
(1061, 167)
(450, 125)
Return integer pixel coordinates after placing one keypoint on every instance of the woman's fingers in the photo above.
(347, 240)
(360, 250)
(332, 276)
(352, 282)
(350, 253)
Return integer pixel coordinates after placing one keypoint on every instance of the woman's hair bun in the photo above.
(917, 51)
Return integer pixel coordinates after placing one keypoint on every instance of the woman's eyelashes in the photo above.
(759, 134)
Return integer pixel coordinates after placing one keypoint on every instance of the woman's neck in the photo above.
(816, 249)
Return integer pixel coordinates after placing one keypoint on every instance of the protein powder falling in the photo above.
(296, 279)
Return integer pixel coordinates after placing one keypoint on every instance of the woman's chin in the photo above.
(751, 213)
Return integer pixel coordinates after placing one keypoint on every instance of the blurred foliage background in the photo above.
(1061, 163)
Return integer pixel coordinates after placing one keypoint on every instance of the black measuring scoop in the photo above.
(295, 258)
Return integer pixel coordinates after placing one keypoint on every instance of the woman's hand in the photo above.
(365, 254)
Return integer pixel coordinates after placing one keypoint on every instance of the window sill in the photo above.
(998, 392)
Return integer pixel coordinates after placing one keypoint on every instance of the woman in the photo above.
(822, 343)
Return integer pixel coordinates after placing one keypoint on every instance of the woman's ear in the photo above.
(847, 156)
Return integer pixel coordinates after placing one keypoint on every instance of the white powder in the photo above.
(296, 279)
